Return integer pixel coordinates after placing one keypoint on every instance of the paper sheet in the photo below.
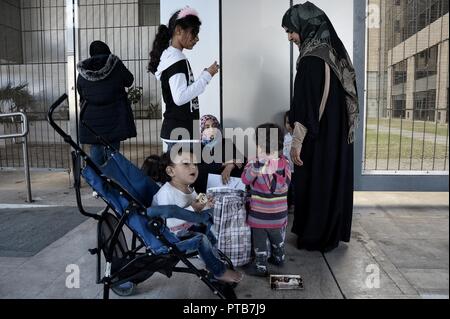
(215, 181)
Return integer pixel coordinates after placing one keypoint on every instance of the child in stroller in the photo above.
(179, 173)
(128, 194)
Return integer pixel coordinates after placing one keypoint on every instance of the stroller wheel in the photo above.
(124, 290)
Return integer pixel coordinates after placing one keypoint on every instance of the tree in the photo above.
(15, 98)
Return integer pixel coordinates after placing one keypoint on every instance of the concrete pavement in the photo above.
(399, 249)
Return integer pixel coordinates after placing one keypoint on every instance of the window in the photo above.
(444, 7)
(399, 106)
(400, 73)
(438, 8)
(426, 62)
(425, 105)
(397, 26)
(149, 13)
(435, 10)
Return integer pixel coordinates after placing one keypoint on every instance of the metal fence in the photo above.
(34, 70)
(128, 27)
(32, 74)
(406, 124)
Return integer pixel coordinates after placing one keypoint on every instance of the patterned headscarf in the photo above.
(206, 134)
(318, 38)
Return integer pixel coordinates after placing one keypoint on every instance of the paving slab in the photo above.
(427, 281)
(405, 235)
(362, 270)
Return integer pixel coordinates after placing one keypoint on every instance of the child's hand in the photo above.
(270, 166)
(211, 202)
(198, 206)
(213, 69)
(266, 167)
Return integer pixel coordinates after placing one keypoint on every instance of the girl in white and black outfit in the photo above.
(170, 66)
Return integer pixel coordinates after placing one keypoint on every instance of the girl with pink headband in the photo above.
(180, 90)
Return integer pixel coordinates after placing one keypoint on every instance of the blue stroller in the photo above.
(128, 193)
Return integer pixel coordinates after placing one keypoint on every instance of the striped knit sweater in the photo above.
(268, 189)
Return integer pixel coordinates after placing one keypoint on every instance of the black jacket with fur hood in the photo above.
(101, 84)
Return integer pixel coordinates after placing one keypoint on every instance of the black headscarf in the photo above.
(98, 47)
(318, 38)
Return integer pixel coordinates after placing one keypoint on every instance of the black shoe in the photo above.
(275, 261)
(258, 271)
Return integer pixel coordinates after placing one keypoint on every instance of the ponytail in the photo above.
(160, 43)
(165, 33)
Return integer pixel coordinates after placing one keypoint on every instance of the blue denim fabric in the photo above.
(204, 244)
(100, 155)
(204, 229)
(209, 255)
(207, 240)
(167, 211)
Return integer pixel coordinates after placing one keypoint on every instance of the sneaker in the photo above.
(257, 270)
(275, 261)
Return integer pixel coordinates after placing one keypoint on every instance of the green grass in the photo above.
(391, 145)
(404, 153)
(419, 126)
(386, 149)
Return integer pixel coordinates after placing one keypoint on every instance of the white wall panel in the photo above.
(207, 49)
(255, 62)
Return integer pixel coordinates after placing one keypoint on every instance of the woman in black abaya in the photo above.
(323, 115)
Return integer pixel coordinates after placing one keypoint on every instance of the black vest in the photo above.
(178, 116)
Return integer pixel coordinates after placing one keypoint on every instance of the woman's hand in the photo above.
(295, 155)
(213, 69)
(226, 173)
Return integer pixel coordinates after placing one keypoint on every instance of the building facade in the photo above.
(407, 81)
(408, 59)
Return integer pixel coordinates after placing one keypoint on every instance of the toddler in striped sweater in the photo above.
(268, 176)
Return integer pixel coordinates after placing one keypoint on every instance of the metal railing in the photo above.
(24, 143)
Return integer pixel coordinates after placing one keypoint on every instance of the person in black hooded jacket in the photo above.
(106, 109)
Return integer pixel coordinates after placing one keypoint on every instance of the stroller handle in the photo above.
(56, 127)
(52, 108)
(75, 161)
